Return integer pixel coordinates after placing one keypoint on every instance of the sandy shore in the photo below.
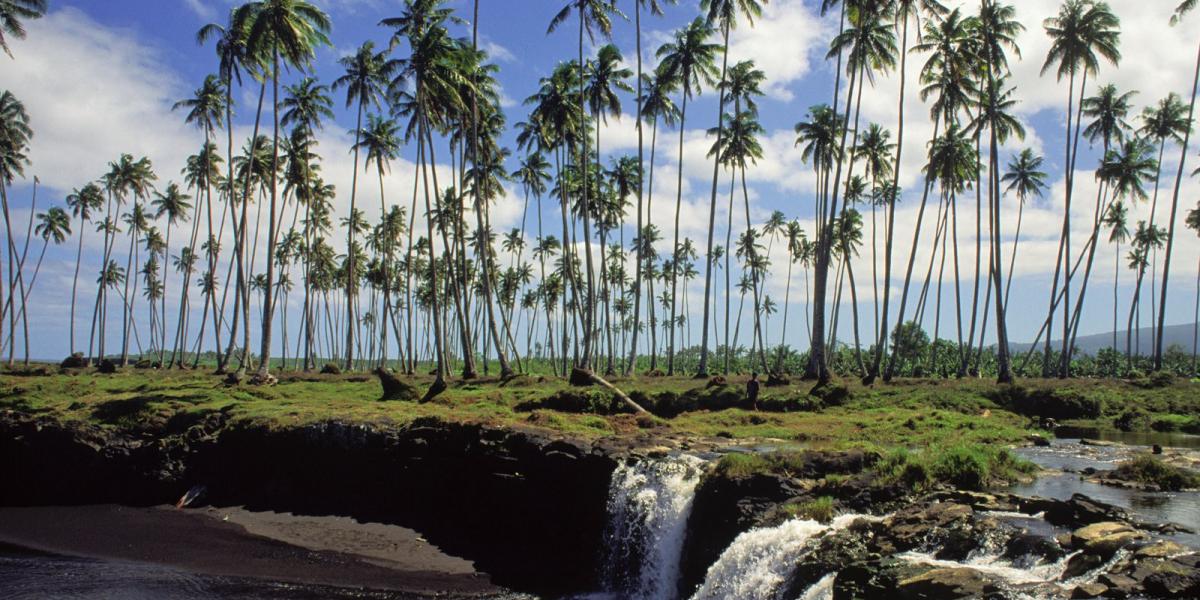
(232, 541)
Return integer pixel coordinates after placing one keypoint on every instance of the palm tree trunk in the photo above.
(75, 281)
(1162, 297)
(702, 370)
(675, 245)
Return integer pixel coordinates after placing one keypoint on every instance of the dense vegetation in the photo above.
(607, 291)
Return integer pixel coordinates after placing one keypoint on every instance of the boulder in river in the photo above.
(1105, 539)
(947, 583)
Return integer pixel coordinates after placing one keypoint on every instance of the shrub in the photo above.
(1047, 402)
(739, 465)
(970, 467)
(1133, 419)
(1148, 469)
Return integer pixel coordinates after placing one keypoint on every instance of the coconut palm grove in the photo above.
(247, 261)
(600, 299)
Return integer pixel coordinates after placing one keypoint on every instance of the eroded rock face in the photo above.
(1105, 539)
(947, 583)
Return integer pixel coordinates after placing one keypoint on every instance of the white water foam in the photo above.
(821, 590)
(648, 506)
(758, 561)
(998, 567)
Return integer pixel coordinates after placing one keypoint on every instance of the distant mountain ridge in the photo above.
(1179, 335)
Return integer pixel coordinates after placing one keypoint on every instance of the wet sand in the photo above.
(234, 542)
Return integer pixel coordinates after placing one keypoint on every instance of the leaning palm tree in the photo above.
(1117, 222)
(689, 61)
(592, 15)
(1081, 34)
(12, 13)
(1126, 169)
(84, 203)
(283, 33)
(1184, 7)
(368, 74)
(722, 15)
(1026, 179)
(53, 225)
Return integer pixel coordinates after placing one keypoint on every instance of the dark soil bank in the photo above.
(524, 507)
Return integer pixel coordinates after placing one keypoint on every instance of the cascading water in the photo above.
(648, 506)
(821, 590)
(759, 561)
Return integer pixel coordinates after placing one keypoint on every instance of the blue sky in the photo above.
(99, 78)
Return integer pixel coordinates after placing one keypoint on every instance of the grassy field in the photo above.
(906, 414)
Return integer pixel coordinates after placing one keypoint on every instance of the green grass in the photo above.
(819, 509)
(907, 414)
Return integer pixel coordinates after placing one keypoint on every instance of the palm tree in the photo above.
(1193, 223)
(368, 74)
(872, 47)
(592, 15)
(15, 134)
(174, 205)
(949, 78)
(233, 58)
(1184, 7)
(656, 105)
(655, 8)
(1081, 33)
(875, 150)
(381, 140)
(207, 109)
(12, 12)
(53, 225)
(1117, 222)
(722, 15)
(1026, 179)
(906, 12)
(83, 202)
(604, 79)
(1107, 109)
(796, 242)
(688, 60)
(737, 149)
(1125, 170)
(283, 33)
(307, 105)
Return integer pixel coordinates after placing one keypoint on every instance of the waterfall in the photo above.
(648, 506)
(758, 561)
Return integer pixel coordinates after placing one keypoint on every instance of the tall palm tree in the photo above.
(233, 59)
(1193, 223)
(906, 12)
(1117, 222)
(656, 105)
(1184, 7)
(15, 134)
(796, 242)
(307, 105)
(739, 148)
(875, 150)
(592, 15)
(722, 15)
(381, 140)
(689, 61)
(173, 204)
(1126, 169)
(84, 203)
(871, 45)
(12, 12)
(283, 33)
(208, 109)
(1026, 179)
(1081, 34)
(605, 77)
(655, 8)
